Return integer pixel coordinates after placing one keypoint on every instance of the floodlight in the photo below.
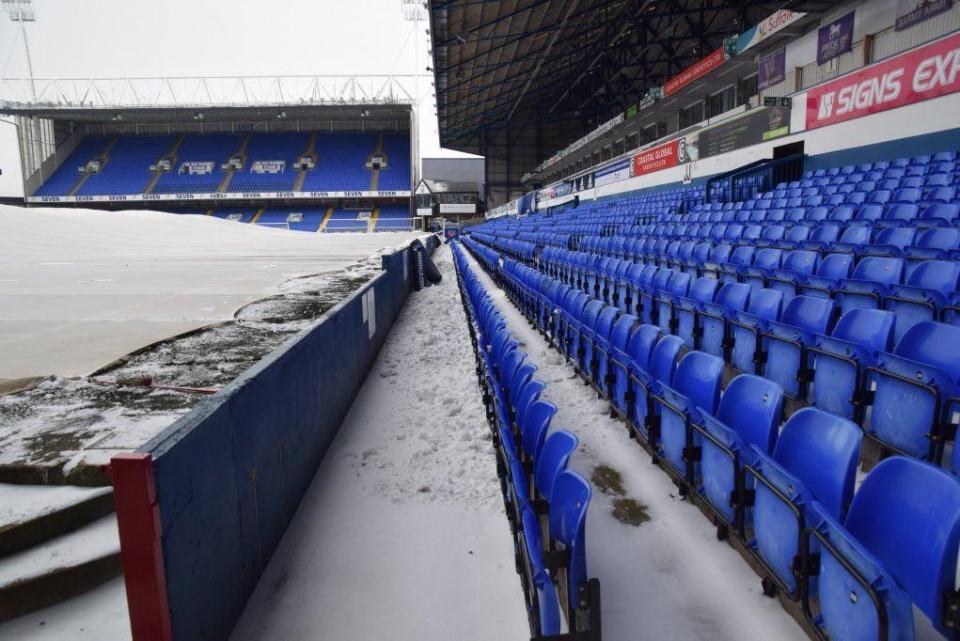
(20, 10)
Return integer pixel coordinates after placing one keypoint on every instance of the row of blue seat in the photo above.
(854, 563)
(787, 333)
(541, 496)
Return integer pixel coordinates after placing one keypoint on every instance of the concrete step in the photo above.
(33, 514)
(60, 568)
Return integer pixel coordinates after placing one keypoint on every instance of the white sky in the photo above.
(124, 38)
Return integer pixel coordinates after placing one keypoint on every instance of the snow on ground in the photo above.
(668, 577)
(73, 424)
(81, 287)
(98, 615)
(402, 533)
(20, 503)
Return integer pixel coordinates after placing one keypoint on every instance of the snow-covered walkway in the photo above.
(668, 577)
(402, 533)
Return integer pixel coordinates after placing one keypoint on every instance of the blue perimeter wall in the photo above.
(231, 473)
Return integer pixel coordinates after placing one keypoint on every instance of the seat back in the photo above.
(753, 406)
(568, 523)
(800, 261)
(907, 514)
(937, 275)
(663, 360)
(768, 258)
(704, 289)
(872, 329)
(809, 313)
(822, 450)
(554, 455)
(835, 266)
(935, 344)
(766, 304)
(536, 422)
(879, 269)
(622, 331)
(530, 393)
(678, 284)
(734, 296)
(641, 345)
(698, 377)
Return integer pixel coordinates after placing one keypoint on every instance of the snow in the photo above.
(669, 577)
(98, 615)
(19, 503)
(402, 532)
(83, 287)
(94, 540)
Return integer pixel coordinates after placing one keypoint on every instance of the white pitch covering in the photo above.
(79, 288)
(402, 533)
(668, 578)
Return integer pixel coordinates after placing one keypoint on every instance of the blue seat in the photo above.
(542, 602)
(632, 378)
(841, 361)
(533, 430)
(568, 529)
(748, 415)
(686, 309)
(668, 298)
(713, 318)
(815, 459)
(832, 269)
(897, 548)
(662, 365)
(616, 379)
(915, 400)
(695, 384)
(797, 265)
(597, 361)
(870, 283)
(785, 342)
(552, 461)
(925, 293)
(765, 262)
(746, 327)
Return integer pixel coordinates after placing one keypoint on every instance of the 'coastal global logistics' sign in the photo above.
(660, 157)
(928, 72)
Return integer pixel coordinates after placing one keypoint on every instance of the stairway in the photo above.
(55, 543)
(326, 219)
(375, 173)
(104, 157)
(374, 215)
(310, 151)
(242, 152)
(172, 157)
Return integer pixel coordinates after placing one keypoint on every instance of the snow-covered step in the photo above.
(60, 568)
(32, 514)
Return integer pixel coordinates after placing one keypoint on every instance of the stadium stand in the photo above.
(209, 148)
(394, 218)
(340, 163)
(66, 176)
(346, 220)
(755, 348)
(280, 148)
(396, 176)
(551, 552)
(127, 166)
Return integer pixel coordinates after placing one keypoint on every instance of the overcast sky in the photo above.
(137, 38)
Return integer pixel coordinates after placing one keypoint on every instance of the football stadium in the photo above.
(552, 320)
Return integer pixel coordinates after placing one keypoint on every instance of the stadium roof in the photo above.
(517, 63)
